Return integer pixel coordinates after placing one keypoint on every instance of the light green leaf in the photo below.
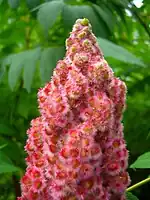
(130, 196)
(48, 13)
(6, 130)
(13, 3)
(6, 165)
(115, 51)
(73, 12)
(29, 67)
(1, 1)
(143, 161)
(48, 61)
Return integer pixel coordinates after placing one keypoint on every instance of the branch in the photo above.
(135, 13)
(16, 186)
(138, 184)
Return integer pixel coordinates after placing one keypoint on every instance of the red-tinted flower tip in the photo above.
(76, 148)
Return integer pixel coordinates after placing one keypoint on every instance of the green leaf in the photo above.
(6, 165)
(115, 51)
(48, 13)
(143, 161)
(6, 168)
(2, 71)
(13, 150)
(33, 3)
(17, 61)
(48, 61)
(105, 15)
(29, 67)
(1, 1)
(73, 12)
(4, 158)
(6, 130)
(24, 104)
(122, 3)
(130, 196)
(13, 3)
(3, 146)
(26, 59)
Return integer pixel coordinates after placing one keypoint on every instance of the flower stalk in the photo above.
(138, 184)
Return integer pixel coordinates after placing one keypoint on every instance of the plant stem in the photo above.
(16, 186)
(138, 184)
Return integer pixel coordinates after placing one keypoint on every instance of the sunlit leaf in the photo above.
(115, 51)
(143, 161)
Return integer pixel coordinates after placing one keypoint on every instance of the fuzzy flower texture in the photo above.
(76, 148)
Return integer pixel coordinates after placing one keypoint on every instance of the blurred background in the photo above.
(32, 38)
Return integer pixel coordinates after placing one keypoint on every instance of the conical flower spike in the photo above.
(76, 149)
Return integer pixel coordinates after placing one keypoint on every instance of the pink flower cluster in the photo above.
(76, 149)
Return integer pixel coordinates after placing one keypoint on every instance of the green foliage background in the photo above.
(32, 40)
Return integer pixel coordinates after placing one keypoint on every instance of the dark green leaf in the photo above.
(123, 3)
(13, 149)
(115, 51)
(13, 3)
(6, 130)
(48, 13)
(3, 146)
(6, 165)
(4, 158)
(24, 104)
(105, 15)
(130, 196)
(73, 12)
(33, 3)
(143, 161)
(48, 61)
